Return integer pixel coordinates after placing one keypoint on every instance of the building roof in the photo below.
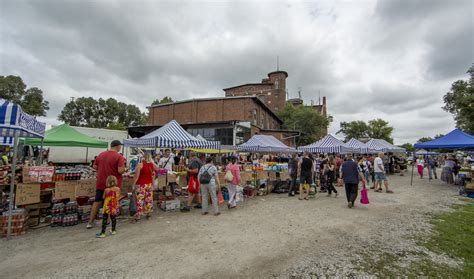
(254, 98)
(248, 84)
(278, 72)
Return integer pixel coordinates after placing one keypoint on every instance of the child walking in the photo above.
(110, 209)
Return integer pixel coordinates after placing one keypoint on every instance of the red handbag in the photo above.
(220, 198)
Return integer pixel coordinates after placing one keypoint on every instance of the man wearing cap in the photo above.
(109, 162)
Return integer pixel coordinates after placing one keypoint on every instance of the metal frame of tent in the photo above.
(14, 123)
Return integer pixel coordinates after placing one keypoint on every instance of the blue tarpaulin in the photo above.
(455, 139)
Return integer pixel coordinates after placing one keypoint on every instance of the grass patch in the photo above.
(453, 235)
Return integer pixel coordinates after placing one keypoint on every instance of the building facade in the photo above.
(245, 110)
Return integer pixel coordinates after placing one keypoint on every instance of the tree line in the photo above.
(112, 114)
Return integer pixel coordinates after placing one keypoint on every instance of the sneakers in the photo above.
(198, 206)
(113, 232)
(185, 209)
(100, 235)
(89, 226)
(349, 204)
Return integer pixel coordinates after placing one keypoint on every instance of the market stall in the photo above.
(14, 123)
(329, 144)
(454, 140)
(381, 145)
(66, 136)
(171, 135)
(268, 174)
(360, 146)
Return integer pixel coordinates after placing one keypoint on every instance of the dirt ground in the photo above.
(270, 236)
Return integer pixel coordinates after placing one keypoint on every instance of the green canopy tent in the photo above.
(66, 136)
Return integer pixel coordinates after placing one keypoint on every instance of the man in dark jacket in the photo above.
(293, 171)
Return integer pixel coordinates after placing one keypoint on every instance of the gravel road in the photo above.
(270, 236)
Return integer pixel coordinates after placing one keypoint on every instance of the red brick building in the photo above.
(245, 110)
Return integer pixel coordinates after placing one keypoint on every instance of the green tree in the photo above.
(459, 101)
(354, 129)
(424, 139)
(12, 88)
(438, 136)
(376, 129)
(306, 120)
(89, 112)
(408, 146)
(165, 100)
(379, 129)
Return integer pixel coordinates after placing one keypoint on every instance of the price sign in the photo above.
(27, 194)
(85, 188)
(65, 190)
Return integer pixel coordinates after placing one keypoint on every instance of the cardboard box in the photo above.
(27, 194)
(65, 190)
(85, 188)
(170, 205)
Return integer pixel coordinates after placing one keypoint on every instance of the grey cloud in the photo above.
(390, 64)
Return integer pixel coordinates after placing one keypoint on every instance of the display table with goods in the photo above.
(466, 175)
(47, 195)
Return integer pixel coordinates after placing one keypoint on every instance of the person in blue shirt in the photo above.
(350, 173)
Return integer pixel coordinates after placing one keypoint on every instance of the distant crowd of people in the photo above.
(449, 164)
(323, 171)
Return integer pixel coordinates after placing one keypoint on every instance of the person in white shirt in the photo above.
(379, 171)
(167, 161)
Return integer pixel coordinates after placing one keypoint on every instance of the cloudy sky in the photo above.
(388, 59)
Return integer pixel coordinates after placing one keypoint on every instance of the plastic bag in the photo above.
(193, 185)
(364, 195)
(133, 204)
(220, 198)
(228, 176)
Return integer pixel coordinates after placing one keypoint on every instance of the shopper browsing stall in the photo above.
(379, 169)
(293, 171)
(234, 170)
(210, 185)
(108, 163)
(143, 187)
(167, 161)
(193, 184)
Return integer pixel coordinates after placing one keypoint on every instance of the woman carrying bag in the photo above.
(210, 185)
(143, 187)
(232, 177)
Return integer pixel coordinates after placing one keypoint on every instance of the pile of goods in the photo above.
(65, 214)
(5, 175)
(19, 222)
(77, 173)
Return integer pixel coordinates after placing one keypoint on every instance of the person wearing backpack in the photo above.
(194, 166)
(232, 178)
(209, 180)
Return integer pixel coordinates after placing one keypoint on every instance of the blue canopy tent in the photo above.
(362, 147)
(381, 145)
(171, 135)
(456, 139)
(265, 143)
(14, 123)
(6, 141)
(328, 144)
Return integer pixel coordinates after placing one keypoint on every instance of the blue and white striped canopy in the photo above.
(265, 143)
(13, 119)
(6, 141)
(384, 146)
(171, 135)
(328, 144)
(361, 147)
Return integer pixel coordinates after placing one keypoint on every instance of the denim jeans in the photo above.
(431, 171)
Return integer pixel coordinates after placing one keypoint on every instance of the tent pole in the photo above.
(87, 153)
(412, 168)
(12, 185)
(39, 160)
